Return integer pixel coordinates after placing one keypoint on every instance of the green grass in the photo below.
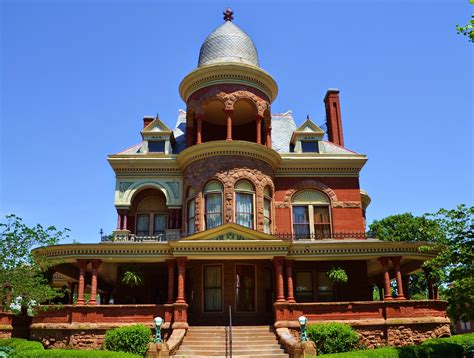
(31, 349)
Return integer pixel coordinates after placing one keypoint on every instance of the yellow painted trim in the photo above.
(236, 73)
(224, 147)
(227, 228)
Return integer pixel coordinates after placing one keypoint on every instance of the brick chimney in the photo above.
(333, 117)
(147, 120)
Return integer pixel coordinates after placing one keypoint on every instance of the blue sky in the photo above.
(77, 77)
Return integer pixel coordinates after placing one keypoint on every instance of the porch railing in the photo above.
(120, 236)
(320, 236)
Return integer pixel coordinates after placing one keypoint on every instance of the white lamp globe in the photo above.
(302, 320)
(158, 321)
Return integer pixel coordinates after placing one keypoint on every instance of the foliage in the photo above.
(131, 339)
(456, 257)
(29, 349)
(333, 337)
(338, 275)
(467, 30)
(25, 273)
(453, 347)
(132, 277)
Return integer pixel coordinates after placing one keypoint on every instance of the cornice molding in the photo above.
(224, 148)
(225, 73)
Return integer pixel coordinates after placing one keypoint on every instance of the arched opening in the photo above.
(245, 204)
(148, 216)
(214, 124)
(311, 215)
(244, 121)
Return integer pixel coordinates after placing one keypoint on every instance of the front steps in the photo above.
(247, 342)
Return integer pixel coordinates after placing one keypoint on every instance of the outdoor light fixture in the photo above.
(302, 321)
(158, 323)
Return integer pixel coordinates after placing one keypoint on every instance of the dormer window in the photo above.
(156, 146)
(309, 146)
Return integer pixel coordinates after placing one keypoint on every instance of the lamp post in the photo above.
(158, 322)
(302, 321)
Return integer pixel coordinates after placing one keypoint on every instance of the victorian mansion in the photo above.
(241, 211)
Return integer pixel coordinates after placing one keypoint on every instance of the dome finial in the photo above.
(228, 14)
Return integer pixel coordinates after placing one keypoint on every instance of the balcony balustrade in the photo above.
(320, 236)
(126, 236)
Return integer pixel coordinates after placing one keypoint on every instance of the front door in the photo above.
(245, 288)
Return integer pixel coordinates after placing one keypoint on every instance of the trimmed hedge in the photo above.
(333, 337)
(131, 339)
(452, 347)
(31, 349)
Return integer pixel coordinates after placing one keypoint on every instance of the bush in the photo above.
(20, 346)
(333, 337)
(131, 339)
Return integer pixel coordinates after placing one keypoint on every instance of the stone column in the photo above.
(119, 220)
(259, 129)
(81, 287)
(280, 289)
(269, 137)
(181, 279)
(72, 288)
(199, 130)
(95, 268)
(386, 279)
(170, 263)
(396, 263)
(229, 124)
(289, 281)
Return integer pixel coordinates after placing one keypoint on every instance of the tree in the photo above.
(467, 30)
(452, 234)
(26, 274)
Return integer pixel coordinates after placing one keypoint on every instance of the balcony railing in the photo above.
(319, 236)
(124, 236)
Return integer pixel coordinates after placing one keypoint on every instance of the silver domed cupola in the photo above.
(228, 43)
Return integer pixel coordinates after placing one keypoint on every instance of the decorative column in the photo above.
(269, 137)
(289, 281)
(81, 287)
(198, 129)
(95, 268)
(181, 279)
(259, 129)
(280, 289)
(386, 279)
(229, 123)
(170, 263)
(119, 220)
(72, 288)
(396, 263)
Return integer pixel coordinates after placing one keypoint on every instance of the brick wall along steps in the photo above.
(247, 342)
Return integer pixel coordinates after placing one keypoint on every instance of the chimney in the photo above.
(333, 117)
(147, 120)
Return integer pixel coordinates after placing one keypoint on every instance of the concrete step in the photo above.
(268, 344)
(234, 334)
(281, 355)
(273, 349)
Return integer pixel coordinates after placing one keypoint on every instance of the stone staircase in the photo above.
(247, 342)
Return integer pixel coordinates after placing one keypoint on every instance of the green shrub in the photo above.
(20, 346)
(131, 339)
(333, 337)
(66, 353)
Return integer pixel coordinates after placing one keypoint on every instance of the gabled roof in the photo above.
(230, 231)
(308, 128)
(156, 126)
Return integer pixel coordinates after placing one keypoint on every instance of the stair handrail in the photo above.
(230, 331)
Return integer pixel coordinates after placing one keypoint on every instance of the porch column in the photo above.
(181, 279)
(229, 124)
(396, 263)
(269, 137)
(95, 268)
(119, 220)
(289, 281)
(386, 279)
(80, 289)
(72, 288)
(198, 129)
(170, 263)
(259, 129)
(280, 289)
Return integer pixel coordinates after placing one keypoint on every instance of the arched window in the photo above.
(191, 206)
(311, 218)
(213, 203)
(244, 204)
(151, 216)
(267, 210)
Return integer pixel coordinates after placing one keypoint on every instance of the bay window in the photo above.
(213, 204)
(244, 204)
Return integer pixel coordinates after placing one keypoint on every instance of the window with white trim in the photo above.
(213, 204)
(311, 215)
(267, 210)
(244, 203)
